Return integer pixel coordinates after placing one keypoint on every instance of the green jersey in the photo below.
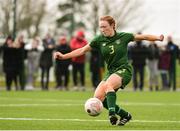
(114, 49)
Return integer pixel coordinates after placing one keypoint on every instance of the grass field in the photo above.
(55, 110)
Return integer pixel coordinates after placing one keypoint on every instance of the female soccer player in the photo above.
(113, 47)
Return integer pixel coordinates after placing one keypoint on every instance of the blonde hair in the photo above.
(109, 19)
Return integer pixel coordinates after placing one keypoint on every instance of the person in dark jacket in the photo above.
(46, 61)
(174, 52)
(22, 56)
(95, 68)
(62, 66)
(138, 55)
(153, 57)
(11, 65)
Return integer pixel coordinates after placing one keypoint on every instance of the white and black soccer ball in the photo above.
(93, 106)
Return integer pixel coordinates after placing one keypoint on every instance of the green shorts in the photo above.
(125, 73)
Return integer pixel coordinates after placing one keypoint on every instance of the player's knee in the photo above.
(108, 88)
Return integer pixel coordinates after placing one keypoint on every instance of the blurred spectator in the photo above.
(95, 68)
(164, 65)
(138, 54)
(62, 66)
(22, 56)
(46, 61)
(10, 64)
(34, 50)
(78, 63)
(153, 56)
(174, 52)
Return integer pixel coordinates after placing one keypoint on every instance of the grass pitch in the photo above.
(55, 110)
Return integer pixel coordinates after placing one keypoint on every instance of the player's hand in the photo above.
(161, 37)
(58, 55)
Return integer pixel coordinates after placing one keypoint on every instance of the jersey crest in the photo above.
(118, 41)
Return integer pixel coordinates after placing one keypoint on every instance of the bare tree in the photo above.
(29, 16)
(127, 13)
(5, 9)
(93, 17)
(72, 12)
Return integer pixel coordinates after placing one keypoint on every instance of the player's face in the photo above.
(105, 28)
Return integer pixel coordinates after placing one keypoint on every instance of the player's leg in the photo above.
(112, 83)
(118, 110)
(126, 75)
(106, 87)
(107, 90)
(100, 93)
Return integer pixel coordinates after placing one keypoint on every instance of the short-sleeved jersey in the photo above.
(113, 49)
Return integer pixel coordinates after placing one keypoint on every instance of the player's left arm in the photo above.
(138, 37)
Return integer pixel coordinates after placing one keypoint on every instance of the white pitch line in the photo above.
(28, 105)
(155, 121)
(86, 120)
(81, 104)
(149, 104)
(39, 119)
(42, 100)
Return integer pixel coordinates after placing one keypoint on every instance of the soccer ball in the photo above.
(93, 106)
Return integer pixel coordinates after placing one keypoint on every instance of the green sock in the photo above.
(120, 111)
(111, 102)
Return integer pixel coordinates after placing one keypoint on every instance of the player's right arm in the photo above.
(74, 53)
